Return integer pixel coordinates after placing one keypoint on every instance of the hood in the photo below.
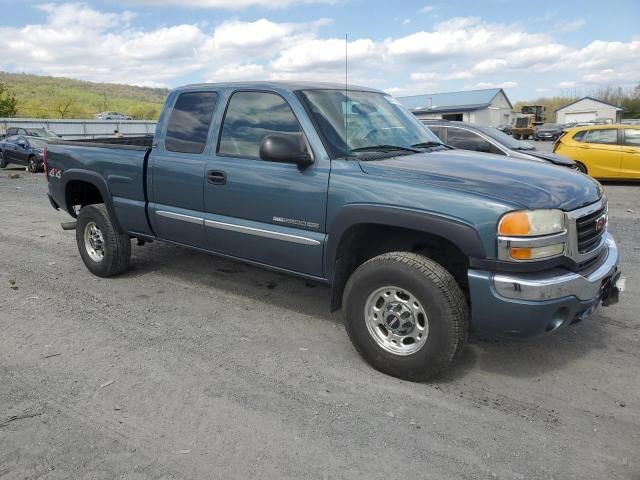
(527, 183)
(550, 157)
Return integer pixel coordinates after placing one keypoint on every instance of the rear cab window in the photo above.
(189, 123)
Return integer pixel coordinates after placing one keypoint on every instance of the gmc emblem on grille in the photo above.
(601, 222)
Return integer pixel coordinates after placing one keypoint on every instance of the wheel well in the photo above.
(365, 241)
(79, 193)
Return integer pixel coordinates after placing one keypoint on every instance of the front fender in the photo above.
(464, 236)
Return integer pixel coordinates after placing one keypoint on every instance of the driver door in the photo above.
(267, 212)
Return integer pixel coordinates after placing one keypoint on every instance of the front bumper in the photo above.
(532, 304)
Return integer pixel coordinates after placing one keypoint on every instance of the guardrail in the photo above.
(73, 129)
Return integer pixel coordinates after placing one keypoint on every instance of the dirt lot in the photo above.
(193, 367)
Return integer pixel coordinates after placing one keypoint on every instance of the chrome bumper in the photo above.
(547, 285)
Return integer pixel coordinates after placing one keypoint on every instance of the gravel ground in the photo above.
(192, 367)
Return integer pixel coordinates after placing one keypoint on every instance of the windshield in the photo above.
(504, 139)
(37, 144)
(362, 122)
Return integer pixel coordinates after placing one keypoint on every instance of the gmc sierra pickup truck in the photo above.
(421, 243)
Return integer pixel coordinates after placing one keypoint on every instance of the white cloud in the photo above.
(325, 54)
(80, 41)
(427, 9)
(570, 25)
(483, 85)
(228, 4)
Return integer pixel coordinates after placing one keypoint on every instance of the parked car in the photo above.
(112, 116)
(419, 242)
(479, 138)
(548, 131)
(32, 132)
(22, 150)
(603, 151)
(506, 129)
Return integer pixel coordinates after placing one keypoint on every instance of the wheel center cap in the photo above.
(398, 319)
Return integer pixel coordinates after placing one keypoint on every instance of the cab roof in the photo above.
(282, 85)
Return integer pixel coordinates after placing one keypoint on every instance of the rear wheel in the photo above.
(516, 136)
(406, 315)
(33, 166)
(104, 250)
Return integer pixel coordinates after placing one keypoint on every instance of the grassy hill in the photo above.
(54, 97)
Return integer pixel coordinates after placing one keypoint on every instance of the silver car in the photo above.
(112, 116)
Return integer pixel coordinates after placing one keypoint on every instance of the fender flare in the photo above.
(97, 181)
(462, 235)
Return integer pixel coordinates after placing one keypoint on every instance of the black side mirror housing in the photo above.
(22, 143)
(286, 149)
(483, 147)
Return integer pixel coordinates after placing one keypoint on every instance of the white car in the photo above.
(112, 116)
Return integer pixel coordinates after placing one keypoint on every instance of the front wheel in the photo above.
(3, 162)
(580, 168)
(104, 250)
(406, 315)
(34, 166)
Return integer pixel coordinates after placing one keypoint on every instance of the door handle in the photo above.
(216, 177)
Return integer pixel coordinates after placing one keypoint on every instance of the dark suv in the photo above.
(479, 138)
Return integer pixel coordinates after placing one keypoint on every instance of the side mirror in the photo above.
(483, 147)
(286, 149)
(22, 143)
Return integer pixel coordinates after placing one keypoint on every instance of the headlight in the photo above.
(531, 235)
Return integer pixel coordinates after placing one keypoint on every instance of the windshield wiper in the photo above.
(430, 144)
(384, 148)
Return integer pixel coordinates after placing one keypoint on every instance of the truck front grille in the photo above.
(590, 229)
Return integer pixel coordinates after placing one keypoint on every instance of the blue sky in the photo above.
(407, 47)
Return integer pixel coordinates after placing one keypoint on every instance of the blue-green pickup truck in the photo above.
(421, 243)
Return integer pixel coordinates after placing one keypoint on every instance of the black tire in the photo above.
(581, 168)
(116, 246)
(33, 165)
(435, 288)
(3, 162)
(516, 136)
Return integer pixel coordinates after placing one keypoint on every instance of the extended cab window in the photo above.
(189, 122)
(250, 117)
(609, 136)
(466, 140)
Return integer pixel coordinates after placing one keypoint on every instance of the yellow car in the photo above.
(603, 151)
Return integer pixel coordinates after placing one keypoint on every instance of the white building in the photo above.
(588, 109)
(489, 107)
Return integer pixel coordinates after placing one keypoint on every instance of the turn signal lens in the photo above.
(536, 253)
(514, 223)
(520, 253)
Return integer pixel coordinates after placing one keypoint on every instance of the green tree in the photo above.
(8, 102)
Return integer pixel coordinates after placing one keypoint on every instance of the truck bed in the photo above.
(114, 164)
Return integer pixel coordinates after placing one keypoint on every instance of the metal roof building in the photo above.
(486, 107)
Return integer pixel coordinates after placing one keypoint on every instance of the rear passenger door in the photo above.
(267, 212)
(603, 153)
(631, 153)
(177, 169)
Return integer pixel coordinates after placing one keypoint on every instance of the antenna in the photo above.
(346, 92)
